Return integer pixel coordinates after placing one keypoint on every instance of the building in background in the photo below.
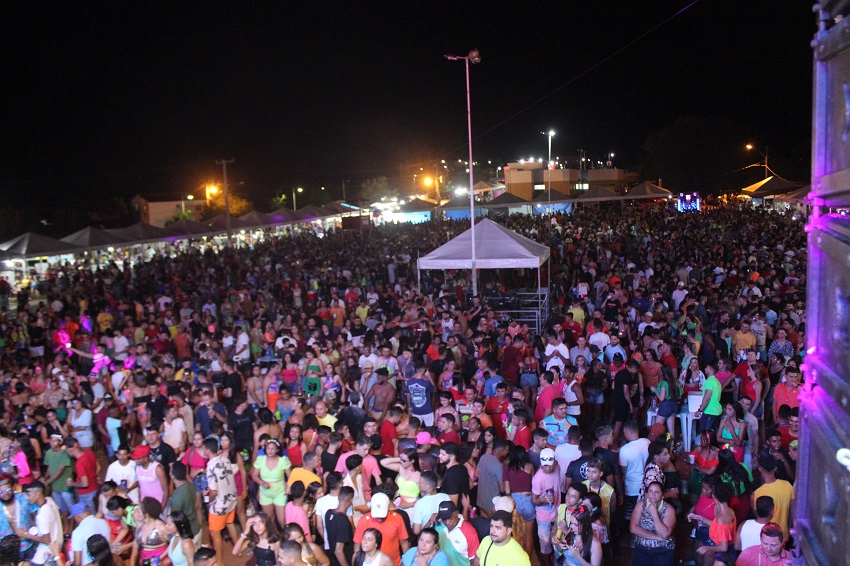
(158, 210)
(529, 179)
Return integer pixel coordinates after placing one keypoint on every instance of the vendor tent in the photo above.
(95, 238)
(646, 190)
(255, 219)
(185, 228)
(312, 212)
(560, 202)
(139, 233)
(799, 196)
(283, 216)
(507, 203)
(770, 186)
(35, 245)
(458, 208)
(496, 247)
(597, 193)
(416, 210)
(218, 224)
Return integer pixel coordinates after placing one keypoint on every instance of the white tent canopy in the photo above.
(495, 247)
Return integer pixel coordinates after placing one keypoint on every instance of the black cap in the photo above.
(446, 510)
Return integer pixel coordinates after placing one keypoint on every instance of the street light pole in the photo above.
(223, 164)
(551, 134)
(474, 57)
(294, 202)
(765, 154)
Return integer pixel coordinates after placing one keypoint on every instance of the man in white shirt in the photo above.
(567, 453)
(679, 295)
(120, 346)
(87, 526)
(174, 429)
(426, 508)
(242, 352)
(633, 457)
(556, 353)
(48, 522)
(123, 472)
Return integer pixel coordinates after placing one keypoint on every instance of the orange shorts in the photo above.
(218, 522)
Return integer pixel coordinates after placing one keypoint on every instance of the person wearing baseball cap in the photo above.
(394, 535)
(545, 495)
(87, 526)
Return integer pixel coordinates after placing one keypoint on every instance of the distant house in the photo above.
(158, 209)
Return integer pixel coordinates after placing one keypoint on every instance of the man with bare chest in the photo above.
(254, 388)
(380, 397)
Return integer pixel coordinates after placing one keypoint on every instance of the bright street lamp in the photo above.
(474, 57)
(765, 154)
(294, 204)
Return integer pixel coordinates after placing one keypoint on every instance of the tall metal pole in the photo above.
(227, 225)
(471, 182)
(549, 172)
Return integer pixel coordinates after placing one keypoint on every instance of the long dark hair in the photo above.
(582, 515)
(232, 452)
(271, 531)
(413, 456)
(517, 458)
(100, 550)
(181, 521)
(730, 471)
(669, 378)
(360, 557)
(28, 450)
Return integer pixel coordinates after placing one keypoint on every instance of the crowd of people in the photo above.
(306, 401)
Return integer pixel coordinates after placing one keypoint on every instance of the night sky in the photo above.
(111, 99)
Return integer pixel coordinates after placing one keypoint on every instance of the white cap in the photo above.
(545, 454)
(381, 505)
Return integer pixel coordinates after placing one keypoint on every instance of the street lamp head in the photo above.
(300, 190)
(749, 146)
(191, 197)
(551, 133)
(474, 56)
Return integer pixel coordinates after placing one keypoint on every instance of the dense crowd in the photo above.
(306, 401)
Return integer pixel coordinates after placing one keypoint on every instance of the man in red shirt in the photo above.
(520, 432)
(395, 536)
(787, 393)
(497, 408)
(446, 426)
(85, 472)
(389, 434)
(550, 391)
(511, 360)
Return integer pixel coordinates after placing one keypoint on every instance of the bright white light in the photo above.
(9, 263)
(110, 249)
(551, 133)
(539, 160)
(442, 161)
(522, 160)
(467, 169)
(489, 162)
(459, 192)
(241, 231)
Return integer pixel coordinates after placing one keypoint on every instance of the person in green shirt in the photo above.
(710, 409)
(183, 498)
(59, 471)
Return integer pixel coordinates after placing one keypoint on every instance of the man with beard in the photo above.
(500, 547)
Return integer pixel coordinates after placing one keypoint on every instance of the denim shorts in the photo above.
(200, 482)
(529, 379)
(64, 500)
(595, 397)
(524, 506)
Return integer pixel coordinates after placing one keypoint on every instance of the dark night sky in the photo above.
(120, 97)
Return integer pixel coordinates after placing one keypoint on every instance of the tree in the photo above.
(373, 190)
(278, 201)
(238, 206)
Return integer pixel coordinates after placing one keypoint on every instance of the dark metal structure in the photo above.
(822, 524)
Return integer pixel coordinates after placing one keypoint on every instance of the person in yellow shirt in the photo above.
(781, 491)
(306, 473)
(500, 548)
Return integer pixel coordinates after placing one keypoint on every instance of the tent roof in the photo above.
(647, 190)
(417, 205)
(495, 247)
(219, 224)
(458, 203)
(283, 216)
(31, 244)
(598, 193)
(505, 200)
(799, 195)
(340, 207)
(255, 219)
(312, 212)
(187, 228)
(773, 185)
(140, 232)
(557, 196)
(484, 186)
(92, 237)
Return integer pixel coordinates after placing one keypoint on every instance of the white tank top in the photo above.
(571, 397)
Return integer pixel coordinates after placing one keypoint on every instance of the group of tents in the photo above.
(31, 244)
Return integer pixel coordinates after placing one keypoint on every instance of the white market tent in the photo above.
(647, 190)
(496, 247)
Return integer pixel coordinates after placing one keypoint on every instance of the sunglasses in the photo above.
(549, 460)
